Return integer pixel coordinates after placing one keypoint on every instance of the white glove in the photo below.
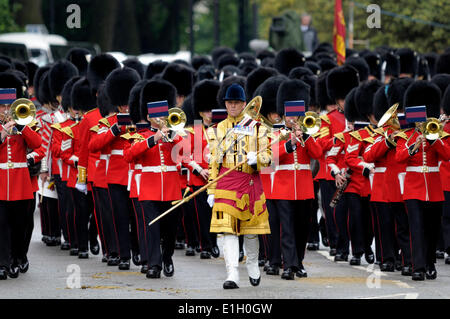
(82, 188)
(211, 200)
(251, 158)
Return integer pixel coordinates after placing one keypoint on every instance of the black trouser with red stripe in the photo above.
(204, 212)
(402, 233)
(190, 223)
(327, 190)
(106, 221)
(13, 230)
(341, 218)
(274, 244)
(165, 229)
(49, 209)
(424, 219)
(142, 230)
(302, 226)
(61, 189)
(384, 220)
(446, 222)
(314, 232)
(122, 209)
(84, 207)
(355, 223)
(368, 224)
(29, 223)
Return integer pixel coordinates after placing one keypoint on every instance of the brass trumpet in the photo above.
(22, 112)
(310, 123)
(432, 128)
(175, 121)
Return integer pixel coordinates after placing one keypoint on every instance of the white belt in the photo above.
(293, 167)
(380, 169)
(137, 166)
(117, 152)
(158, 169)
(104, 157)
(13, 165)
(423, 169)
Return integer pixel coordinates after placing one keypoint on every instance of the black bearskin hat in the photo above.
(61, 72)
(9, 80)
(77, 56)
(443, 63)
(66, 94)
(180, 76)
(396, 92)
(256, 78)
(364, 97)
(135, 64)
(322, 98)
(361, 65)
(340, 81)
(199, 61)
(292, 90)
(119, 84)
(154, 68)
(155, 91)
(424, 93)
(408, 61)
(82, 96)
(287, 59)
(204, 97)
(268, 91)
(134, 102)
(99, 68)
(380, 104)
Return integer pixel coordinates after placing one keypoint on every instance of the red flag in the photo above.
(339, 32)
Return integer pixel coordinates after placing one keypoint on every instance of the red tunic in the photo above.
(70, 156)
(197, 160)
(160, 178)
(14, 175)
(292, 179)
(424, 185)
(445, 165)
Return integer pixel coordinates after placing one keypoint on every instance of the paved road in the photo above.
(195, 278)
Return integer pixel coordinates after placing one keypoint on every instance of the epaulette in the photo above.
(126, 136)
(325, 118)
(68, 131)
(74, 124)
(138, 137)
(91, 110)
(34, 123)
(356, 135)
(379, 130)
(104, 121)
(94, 128)
(444, 134)
(402, 135)
(340, 137)
(56, 126)
(369, 139)
(190, 130)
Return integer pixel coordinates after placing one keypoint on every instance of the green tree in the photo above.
(7, 21)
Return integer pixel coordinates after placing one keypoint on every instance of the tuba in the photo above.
(390, 118)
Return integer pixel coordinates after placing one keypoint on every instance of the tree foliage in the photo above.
(7, 19)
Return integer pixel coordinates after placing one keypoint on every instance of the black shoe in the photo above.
(144, 268)
(447, 260)
(104, 259)
(198, 249)
(95, 248)
(51, 242)
(168, 269)
(370, 257)
(288, 274)
(215, 252)
(179, 245)
(261, 263)
(241, 255)
(205, 255)
(341, 257)
(65, 245)
(355, 261)
(255, 282)
(301, 272)
(113, 261)
(190, 251)
(266, 266)
(418, 276)
(325, 242)
(407, 271)
(136, 259)
(13, 271)
(440, 254)
(154, 272)
(73, 251)
(333, 252)
(230, 285)
(431, 272)
(3, 273)
(387, 267)
(378, 263)
(313, 246)
(398, 265)
(24, 265)
(45, 239)
(273, 270)
(124, 264)
(83, 255)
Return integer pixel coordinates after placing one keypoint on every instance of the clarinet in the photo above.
(340, 190)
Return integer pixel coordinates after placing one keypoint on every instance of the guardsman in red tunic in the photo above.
(81, 214)
(358, 190)
(59, 74)
(118, 86)
(159, 184)
(445, 177)
(292, 184)
(17, 190)
(335, 84)
(204, 101)
(390, 219)
(422, 188)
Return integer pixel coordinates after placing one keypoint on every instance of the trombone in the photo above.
(22, 112)
(175, 121)
(309, 123)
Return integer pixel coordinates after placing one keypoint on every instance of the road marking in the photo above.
(407, 296)
(325, 254)
(402, 284)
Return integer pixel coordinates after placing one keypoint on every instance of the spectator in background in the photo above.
(310, 39)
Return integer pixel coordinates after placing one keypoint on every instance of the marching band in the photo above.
(128, 163)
